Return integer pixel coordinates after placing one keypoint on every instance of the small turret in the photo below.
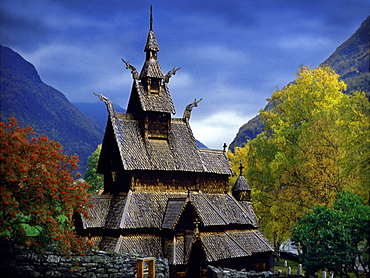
(241, 189)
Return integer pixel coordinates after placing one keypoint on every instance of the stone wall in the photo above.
(218, 272)
(17, 261)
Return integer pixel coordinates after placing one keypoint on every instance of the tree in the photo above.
(315, 144)
(335, 238)
(91, 176)
(38, 192)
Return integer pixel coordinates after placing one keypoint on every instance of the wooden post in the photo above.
(140, 267)
(151, 270)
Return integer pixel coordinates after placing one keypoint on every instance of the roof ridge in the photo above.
(185, 202)
(242, 208)
(210, 150)
(103, 196)
(258, 234)
(214, 258)
(237, 243)
(128, 198)
(116, 138)
(118, 244)
(213, 207)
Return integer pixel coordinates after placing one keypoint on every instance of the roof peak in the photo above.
(151, 42)
(241, 184)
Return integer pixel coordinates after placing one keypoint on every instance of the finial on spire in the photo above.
(151, 18)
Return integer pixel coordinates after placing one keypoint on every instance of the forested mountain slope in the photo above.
(33, 103)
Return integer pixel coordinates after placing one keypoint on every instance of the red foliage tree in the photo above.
(39, 194)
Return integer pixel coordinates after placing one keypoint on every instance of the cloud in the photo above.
(232, 53)
(214, 130)
(302, 42)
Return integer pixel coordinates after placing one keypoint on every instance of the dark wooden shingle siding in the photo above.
(144, 244)
(178, 153)
(173, 211)
(151, 69)
(232, 244)
(151, 42)
(98, 213)
(136, 210)
(157, 103)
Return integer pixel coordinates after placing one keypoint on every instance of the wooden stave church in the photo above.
(163, 196)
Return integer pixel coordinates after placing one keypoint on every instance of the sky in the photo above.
(232, 54)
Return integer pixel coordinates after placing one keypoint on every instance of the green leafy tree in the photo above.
(91, 176)
(38, 191)
(335, 238)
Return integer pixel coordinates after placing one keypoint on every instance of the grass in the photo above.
(292, 264)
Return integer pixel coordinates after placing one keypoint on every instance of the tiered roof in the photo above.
(162, 211)
(148, 219)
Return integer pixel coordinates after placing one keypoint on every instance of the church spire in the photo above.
(151, 68)
(150, 94)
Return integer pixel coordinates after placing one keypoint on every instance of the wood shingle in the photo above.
(136, 210)
(178, 153)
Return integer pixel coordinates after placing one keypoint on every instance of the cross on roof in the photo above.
(196, 230)
(224, 146)
(241, 167)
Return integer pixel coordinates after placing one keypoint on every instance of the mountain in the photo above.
(97, 111)
(33, 103)
(350, 60)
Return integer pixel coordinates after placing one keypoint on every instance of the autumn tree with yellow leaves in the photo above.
(315, 144)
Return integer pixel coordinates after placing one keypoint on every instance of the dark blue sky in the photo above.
(233, 54)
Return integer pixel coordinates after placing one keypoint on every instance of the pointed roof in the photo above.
(241, 184)
(151, 66)
(152, 69)
(141, 99)
(151, 42)
(179, 153)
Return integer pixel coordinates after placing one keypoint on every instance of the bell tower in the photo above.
(150, 100)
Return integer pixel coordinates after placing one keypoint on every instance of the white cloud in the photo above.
(218, 128)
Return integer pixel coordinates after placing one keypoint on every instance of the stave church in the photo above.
(164, 196)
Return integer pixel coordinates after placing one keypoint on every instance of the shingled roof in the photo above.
(162, 210)
(159, 102)
(232, 244)
(179, 153)
(151, 68)
(216, 246)
(241, 184)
